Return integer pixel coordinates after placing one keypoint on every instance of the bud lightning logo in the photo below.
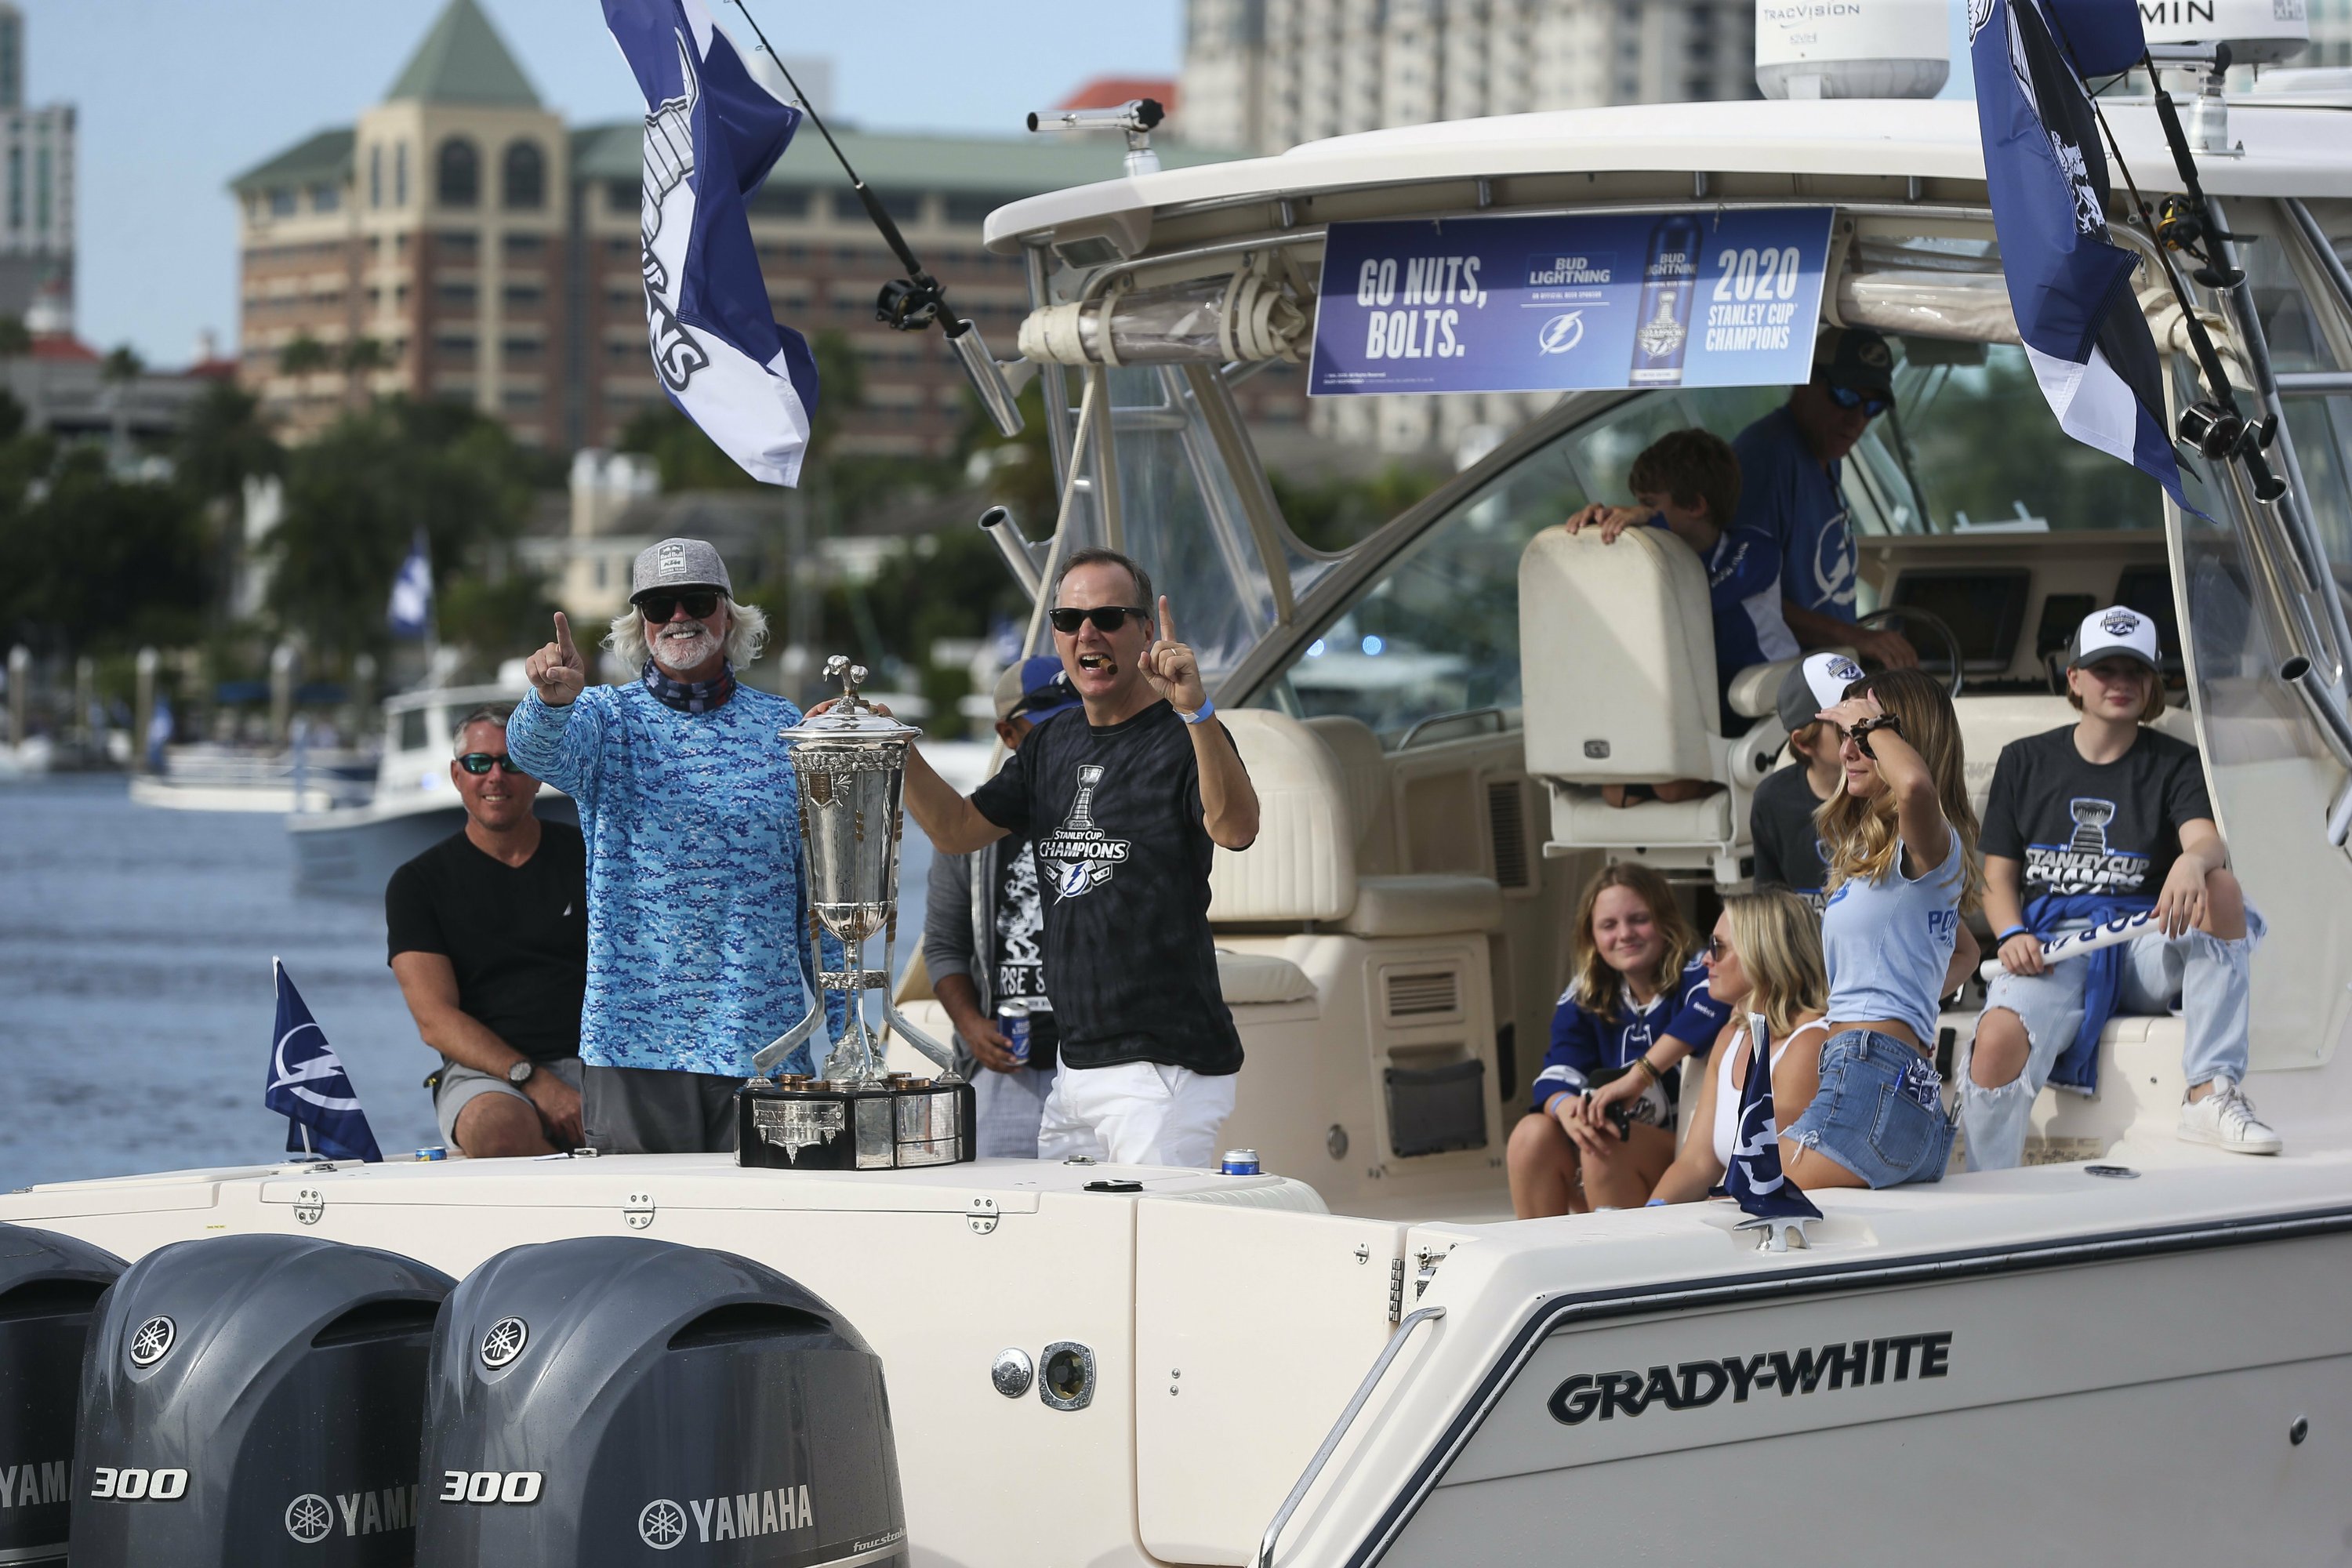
(662, 1524)
(1082, 855)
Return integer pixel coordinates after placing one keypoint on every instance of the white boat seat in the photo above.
(1370, 794)
(1581, 816)
(1989, 724)
(2140, 1086)
(1257, 979)
(1429, 904)
(1756, 690)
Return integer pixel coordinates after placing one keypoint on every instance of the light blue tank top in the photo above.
(1888, 944)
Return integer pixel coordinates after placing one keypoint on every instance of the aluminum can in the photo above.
(1013, 1023)
(1239, 1163)
(1669, 280)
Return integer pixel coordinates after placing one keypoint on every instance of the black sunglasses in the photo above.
(1106, 618)
(1870, 403)
(701, 604)
(483, 762)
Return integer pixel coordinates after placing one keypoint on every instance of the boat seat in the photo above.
(1371, 800)
(2140, 1086)
(1304, 866)
(1989, 724)
(1617, 663)
(1258, 979)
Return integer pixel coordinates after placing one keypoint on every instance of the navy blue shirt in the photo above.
(1743, 592)
(1785, 491)
(1584, 1043)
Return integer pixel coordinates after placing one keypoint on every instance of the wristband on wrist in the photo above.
(1207, 711)
(2014, 930)
(1647, 1066)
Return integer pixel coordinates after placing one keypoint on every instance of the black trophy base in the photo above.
(814, 1124)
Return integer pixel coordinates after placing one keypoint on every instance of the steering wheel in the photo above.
(1933, 622)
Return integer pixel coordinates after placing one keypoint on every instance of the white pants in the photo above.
(1136, 1113)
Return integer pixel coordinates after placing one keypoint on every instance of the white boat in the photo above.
(352, 850)
(2132, 1350)
(208, 777)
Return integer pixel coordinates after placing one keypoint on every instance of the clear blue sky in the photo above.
(175, 96)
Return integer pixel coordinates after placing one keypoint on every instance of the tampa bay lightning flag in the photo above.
(2070, 284)
(711, 135)
(309, 1086)
(1755, 1177)
(410, 611)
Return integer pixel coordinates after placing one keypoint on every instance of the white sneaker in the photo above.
(2226, 1120)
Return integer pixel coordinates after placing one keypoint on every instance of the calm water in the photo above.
(135, 1000)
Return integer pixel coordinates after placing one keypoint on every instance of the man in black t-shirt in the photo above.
(488, 939)
(2101, 819)
(983, 945)
(1781, 825)
(1123, 803)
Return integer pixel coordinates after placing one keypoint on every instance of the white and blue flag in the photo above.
(2070, 284)
(309, 1086)
(712, 133)
(410, 611)
(1754, 1177)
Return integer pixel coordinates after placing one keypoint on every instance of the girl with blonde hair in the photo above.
(1765, 958)
(1904, 869)
(1601, 1127)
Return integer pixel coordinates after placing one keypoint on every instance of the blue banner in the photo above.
(1728, 298)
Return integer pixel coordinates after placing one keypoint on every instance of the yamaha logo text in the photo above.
(663, 1523)
(1694, 1385)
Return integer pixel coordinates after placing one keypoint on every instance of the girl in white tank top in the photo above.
(1766, 957)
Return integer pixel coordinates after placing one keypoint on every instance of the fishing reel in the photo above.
(2221, 434)
(2183, 224)
(909, 304)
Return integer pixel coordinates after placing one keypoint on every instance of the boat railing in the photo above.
(1306, 1479)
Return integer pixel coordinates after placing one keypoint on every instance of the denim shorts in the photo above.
(1879, 1112)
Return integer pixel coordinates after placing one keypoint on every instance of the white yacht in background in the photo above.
(353, 849)
(2134, 1350)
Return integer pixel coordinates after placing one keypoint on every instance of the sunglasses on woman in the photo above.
(1107, 618)
(700, 605)
(1872, 404)
(479, 762)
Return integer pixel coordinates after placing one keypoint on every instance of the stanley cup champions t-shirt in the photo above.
(2079, 826)
(1113, 816)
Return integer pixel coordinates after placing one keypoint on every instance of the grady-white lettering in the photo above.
(1694, 1385)
(31, 1485)
(751, 1513)
(130, 1485)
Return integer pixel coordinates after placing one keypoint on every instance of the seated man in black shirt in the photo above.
(490, 942)
(1122, 803)
(1780, 818)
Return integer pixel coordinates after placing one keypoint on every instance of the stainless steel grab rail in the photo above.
(1413, 1321)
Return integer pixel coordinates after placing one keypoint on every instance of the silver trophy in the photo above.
(851, 765)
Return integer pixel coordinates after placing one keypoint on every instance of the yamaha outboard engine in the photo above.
(50, 1286)
(255, 1399)
(596, 1397)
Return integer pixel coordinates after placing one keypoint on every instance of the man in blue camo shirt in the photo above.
(698, 949)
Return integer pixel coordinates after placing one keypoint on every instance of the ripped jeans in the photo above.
(2197, 974)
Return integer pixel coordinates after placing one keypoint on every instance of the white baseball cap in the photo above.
(1815, 682)
(2114, 631)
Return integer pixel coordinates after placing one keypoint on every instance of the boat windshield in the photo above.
(1432, 632)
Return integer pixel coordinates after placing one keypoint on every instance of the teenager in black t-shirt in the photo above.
(1780, 824)
(488, 938)
(2101, 819)
(1123, 803)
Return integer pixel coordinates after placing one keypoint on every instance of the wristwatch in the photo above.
(519, 1074)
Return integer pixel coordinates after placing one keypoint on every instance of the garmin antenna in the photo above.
(909, 304)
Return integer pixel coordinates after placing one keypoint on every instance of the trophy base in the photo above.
(896, 1123)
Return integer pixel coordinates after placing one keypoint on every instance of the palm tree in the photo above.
(303, 355)
(359, 359)
(121, 367)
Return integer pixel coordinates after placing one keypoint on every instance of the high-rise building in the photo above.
(36, 168)
(2331, 35)
(490, 255)
(1266, 75)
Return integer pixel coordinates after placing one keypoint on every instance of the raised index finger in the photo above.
(1167, 621)
(562, 632)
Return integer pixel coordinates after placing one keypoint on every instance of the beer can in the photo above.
(1013, 1023)
(1239, 1163)
(1669, 280)
(433, 1152)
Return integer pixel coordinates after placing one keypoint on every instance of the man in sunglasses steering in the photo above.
(1123, 801)
(1791, 470)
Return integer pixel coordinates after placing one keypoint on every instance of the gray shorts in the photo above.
(460, 1086)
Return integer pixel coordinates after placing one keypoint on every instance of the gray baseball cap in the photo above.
(1813, 683)
(680, 563)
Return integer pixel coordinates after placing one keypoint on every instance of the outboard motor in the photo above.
(255, 1399)
(50, 1286)
(596, 1397)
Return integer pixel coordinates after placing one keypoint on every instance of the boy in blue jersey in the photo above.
(1688, 482)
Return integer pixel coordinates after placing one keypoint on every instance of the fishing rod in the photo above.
(909, 304)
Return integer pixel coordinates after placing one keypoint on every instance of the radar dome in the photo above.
(1853, 48)
(2259, 32)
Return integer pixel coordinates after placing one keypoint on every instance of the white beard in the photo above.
(680, 646)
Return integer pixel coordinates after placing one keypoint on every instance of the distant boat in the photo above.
(211, 777)
(353, 849)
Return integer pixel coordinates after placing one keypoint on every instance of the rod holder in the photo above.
(1020, 554)
(987, 378)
